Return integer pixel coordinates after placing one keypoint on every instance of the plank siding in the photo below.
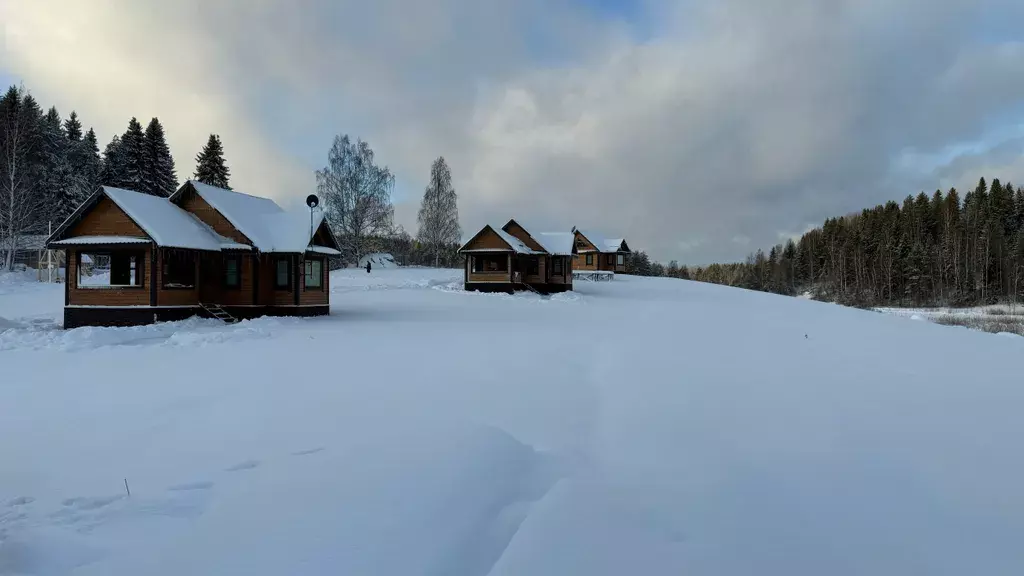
(243, 294)
(315, 295)
(518, 231)
(177, 296)
(133, 296)
(487, 239)
(195, 204)
(106, 219)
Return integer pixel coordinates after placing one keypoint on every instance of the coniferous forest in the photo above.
(944, 249)
(49, 165)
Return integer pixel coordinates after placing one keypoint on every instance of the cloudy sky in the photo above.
(698, 129)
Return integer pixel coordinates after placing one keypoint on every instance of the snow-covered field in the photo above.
(640, 426)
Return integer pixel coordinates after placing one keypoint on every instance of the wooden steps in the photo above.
(219, 313)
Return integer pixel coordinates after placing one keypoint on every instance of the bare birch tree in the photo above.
(19, 204)
(439, 213)
(356, 194)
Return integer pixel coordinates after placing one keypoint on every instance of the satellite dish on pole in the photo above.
(312, 201)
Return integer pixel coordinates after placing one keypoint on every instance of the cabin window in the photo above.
(484, 264)
(283, 273)
(620, 259)
(314, 274)
(179, 269)
(533, 267)
(590, 259)
(556, 266)
(110, 269)
(232, 272)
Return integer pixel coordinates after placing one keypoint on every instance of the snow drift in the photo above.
(647, 426)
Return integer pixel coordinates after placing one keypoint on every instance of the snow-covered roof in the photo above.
(166, 224)
(324, 250)
(267, 225)
(517, 245)
(602, 243)
(90, 240)
(556, 243)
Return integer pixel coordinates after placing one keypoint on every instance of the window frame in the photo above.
(165, 258)
(237, 260)
(136, 261)
(308, 263)
(532, 266)
(590, 259)
(277, 273)
(557, 266)
(476, 266)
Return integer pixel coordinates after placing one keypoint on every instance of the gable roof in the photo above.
(517, 245)
(269, 227)
(164, 223)
(514, 244)
(553, 243)
(170, 226)
(558, 243)
(602, 243)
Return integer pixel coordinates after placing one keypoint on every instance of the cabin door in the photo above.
(209, 276)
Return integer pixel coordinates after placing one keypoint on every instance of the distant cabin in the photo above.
(595, 252)
(511, 258)
(133, 258)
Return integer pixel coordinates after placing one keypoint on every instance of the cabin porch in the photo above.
(131, 283)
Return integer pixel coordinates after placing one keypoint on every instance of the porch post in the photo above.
(298, 277)
(254, 269)
(154, 254)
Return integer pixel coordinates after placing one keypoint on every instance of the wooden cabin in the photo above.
(133, 258)
(596, 253)
(511, 258)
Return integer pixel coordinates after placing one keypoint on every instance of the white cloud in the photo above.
(734, 118)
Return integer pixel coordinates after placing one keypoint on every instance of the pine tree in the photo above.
(439, 213)
(134, 157)
(92, 164)
(161, 179)
(113, 173)
(57, 182)
(210, 166)
(73, 127)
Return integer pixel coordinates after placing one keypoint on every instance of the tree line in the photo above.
(357, 197)
(928, 251)
(50, 165)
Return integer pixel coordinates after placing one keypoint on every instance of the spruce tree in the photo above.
(161, 179)
(73, 127)
(210, 166)
(113, 173)
(56, 183)
(92, 163)
(134, 157)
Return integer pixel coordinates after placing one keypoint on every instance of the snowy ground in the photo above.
(640, 426)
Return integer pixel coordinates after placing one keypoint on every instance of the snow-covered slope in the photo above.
(640, 426)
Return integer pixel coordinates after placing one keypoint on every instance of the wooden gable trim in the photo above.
(187, 192)
(329, 236)
(593, 247)
(81, 212)
(529, 240)
(481, 233)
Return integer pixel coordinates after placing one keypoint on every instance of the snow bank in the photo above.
(349, 279)
(658, 427)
